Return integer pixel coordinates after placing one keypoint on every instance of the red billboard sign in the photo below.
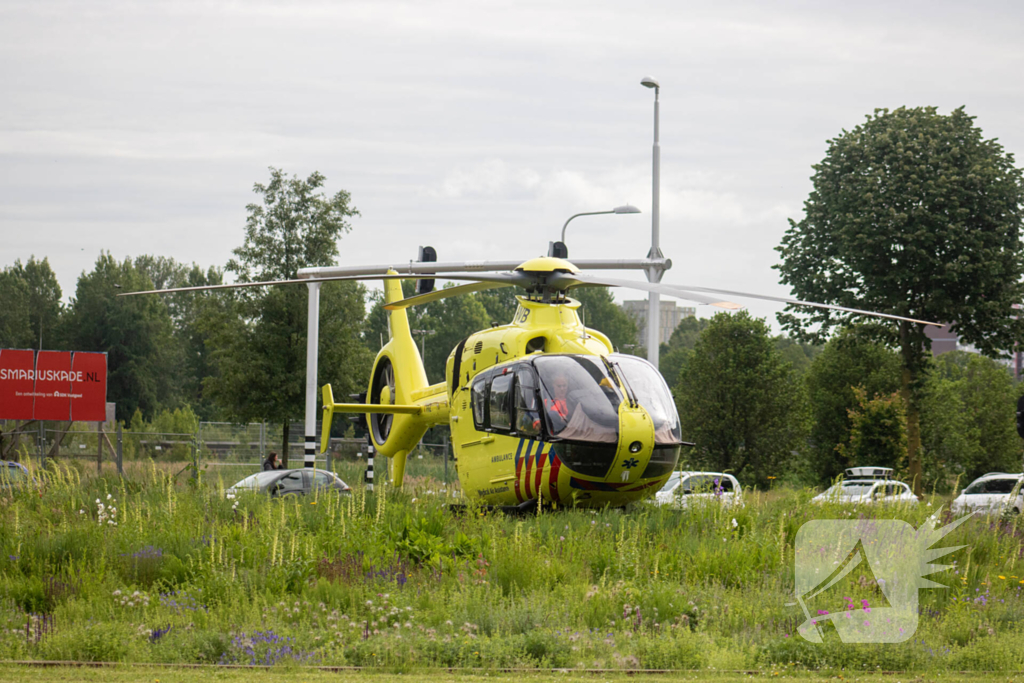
(53, 385)
(17, 382)
(89, 387)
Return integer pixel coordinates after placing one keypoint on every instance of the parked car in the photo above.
(282, 483)
(13, 476)
(868, 486)
(994, 492)
(684, 488)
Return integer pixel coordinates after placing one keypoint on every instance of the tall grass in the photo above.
(180, 573)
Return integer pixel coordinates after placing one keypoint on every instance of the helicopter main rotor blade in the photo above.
(501, 277)
(690, 293)
(579, 279)
(439, 294)
(798, 302)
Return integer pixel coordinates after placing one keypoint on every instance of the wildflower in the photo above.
(108, 496)
(734, 523)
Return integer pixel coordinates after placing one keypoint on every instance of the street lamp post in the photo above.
(625, 208)
(654, 273)
(422, 334)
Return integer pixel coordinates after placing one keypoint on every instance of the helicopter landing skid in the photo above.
(524, 508)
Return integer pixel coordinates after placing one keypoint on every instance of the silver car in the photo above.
(283, 483)
(994, 492)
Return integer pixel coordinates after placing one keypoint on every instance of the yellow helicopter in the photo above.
(542, 410)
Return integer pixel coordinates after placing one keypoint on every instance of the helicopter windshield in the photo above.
(652, 392)
(581, 401)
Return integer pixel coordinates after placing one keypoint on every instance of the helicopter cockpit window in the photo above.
(479, 394)
(500, 403)
(653, 394)
(580, 400)
(527, 403)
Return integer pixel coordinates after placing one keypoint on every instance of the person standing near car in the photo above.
(272, 463)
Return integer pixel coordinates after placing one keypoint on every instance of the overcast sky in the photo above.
(476, 127)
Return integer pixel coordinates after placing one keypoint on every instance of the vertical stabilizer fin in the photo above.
(325, 428)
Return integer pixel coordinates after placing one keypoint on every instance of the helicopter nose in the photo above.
(636, 443)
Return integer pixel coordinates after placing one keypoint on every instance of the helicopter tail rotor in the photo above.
(400, 404)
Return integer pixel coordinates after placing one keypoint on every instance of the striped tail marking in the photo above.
(556, 464)
(519, 464)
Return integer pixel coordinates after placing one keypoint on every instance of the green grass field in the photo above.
(396, 581)
(150, 674)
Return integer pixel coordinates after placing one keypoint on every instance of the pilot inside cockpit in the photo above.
(580, 399)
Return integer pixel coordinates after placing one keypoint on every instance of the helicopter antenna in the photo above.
(583, 315)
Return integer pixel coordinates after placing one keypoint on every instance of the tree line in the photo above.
(912, 213)
(240, 355)
(765, 408)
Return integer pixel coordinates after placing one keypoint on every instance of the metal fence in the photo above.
(92, 441)
(233, 449)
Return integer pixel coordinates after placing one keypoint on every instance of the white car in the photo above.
(868, 486)
(685, 488)
(994, 492)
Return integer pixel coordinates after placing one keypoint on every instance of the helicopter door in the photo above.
(527, 415)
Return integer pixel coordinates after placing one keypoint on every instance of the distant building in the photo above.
(671, 316)
(944, 339)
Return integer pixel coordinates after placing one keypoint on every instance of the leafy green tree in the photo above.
(739, 401)
(797, 353)
(950, 438)
(912, 213)
(135, 331)
(968, 419)
(30, 306)
(850, 359)
(878, 434)
(15, 325)
(186, 311)
(679, 349)
(500, 304)
(259, 338)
